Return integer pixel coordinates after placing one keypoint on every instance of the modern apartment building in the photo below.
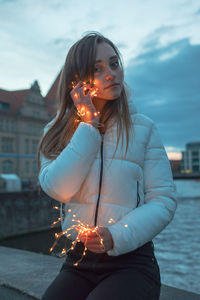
(23, 115)
(190, 162)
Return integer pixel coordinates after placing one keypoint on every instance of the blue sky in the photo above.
(159, 42)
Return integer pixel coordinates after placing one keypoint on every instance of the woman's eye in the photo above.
(115, 64)
(97, 69)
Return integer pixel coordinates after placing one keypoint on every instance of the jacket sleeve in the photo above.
(149, 219)
(61, 178)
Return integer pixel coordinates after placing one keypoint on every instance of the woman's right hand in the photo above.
(82, 95)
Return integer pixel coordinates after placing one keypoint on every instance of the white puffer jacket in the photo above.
(136, 189)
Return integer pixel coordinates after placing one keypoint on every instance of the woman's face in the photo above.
(108, 75)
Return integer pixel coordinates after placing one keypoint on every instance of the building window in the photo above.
(26, 146)
(195, 161)
(195, 168)
(27, 166)
(7, 125)
(12, 126)
(36, 114)
(195, 153)
(7, 166)
(4, 106)
(7, 145)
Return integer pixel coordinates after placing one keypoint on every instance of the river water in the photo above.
(177, 247)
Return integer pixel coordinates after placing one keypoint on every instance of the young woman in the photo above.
(105, 162)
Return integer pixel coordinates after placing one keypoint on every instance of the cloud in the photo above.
(197, 12)
(153, 40)
(165, 85)
(36, 36)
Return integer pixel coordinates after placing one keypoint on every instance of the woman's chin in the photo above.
(108, 98)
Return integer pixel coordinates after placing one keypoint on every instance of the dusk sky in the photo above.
(159, 42)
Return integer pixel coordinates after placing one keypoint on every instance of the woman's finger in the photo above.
(98, 249)
(90, 232)
(78, 85)
(76, 88)
(85, 90)
(94, 241)
(81, 85)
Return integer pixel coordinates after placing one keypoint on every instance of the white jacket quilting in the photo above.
(137, 189)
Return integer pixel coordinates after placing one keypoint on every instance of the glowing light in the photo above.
(81, 109)
(56, 207)
(92, 93)
(83, 230)
(55, 222)
(111, 220)
(76, 96)
(73, 84)
(96, 113)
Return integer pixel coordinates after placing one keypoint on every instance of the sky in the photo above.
(159, 42)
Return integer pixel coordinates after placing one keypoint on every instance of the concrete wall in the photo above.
(25, 212)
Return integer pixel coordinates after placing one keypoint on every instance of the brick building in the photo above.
(23, 114)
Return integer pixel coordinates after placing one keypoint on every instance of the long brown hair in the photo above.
(79, 66)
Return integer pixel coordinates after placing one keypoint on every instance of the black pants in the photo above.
(131, 276)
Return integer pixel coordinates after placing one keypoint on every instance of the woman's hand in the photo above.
(92, 240)
(82, 97)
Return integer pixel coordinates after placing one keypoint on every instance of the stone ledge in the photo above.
(8, 293)
(25, 275)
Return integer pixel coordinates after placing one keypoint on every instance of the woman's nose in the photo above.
(109, 75)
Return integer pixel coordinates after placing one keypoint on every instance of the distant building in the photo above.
(23, 114)
(175, 165)
(190, 162)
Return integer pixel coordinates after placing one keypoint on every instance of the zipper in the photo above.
(138, 195)
(100, 182)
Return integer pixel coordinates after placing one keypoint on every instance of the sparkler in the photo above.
(82, 229)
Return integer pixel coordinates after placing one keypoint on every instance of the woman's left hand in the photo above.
(93, 240)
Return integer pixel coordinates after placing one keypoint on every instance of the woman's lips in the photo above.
(112, 86)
